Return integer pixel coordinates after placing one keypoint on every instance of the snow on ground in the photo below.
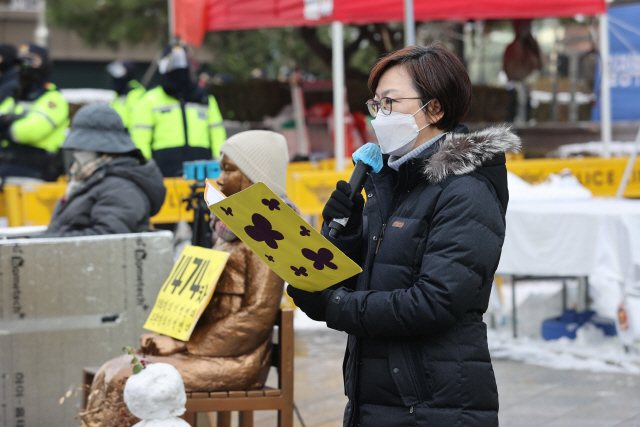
(540, 300)
(590, 351)
(535, 301)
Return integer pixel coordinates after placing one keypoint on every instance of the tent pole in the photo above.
(171, 19)
(41, 34)
(338, 93)
(605, 90)
(628, 170)
(409, 24)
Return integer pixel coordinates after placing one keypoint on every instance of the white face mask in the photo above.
(397, 133)
(83, 156)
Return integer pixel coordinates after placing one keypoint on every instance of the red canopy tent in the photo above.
(193, 18)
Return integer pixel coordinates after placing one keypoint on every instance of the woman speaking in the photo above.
(428, 241)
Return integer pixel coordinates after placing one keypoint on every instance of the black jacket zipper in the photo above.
(384, 225)
(184, 122)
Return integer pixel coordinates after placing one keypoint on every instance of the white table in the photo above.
(596, 238)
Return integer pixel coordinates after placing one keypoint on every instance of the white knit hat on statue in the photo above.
(261, 155)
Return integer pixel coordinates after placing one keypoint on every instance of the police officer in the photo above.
(128, 89)
(8, 78)
(177, 121)
(35, 130)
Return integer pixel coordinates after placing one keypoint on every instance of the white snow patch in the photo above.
(156, 393)
(590, 351)
(88, 96)
(562, 186)
(302, 322)
(539, 96)
(539, 300)
(594, 148)
(168, 422)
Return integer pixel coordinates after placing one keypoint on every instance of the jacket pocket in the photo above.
(420, 372)
(345, 362)
(411, 378)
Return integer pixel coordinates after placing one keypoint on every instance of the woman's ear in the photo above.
(434, 111)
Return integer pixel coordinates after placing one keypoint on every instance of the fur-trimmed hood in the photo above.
(462, 153)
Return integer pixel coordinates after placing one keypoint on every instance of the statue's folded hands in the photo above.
(160, 345)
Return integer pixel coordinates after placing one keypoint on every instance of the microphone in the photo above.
(367, 158)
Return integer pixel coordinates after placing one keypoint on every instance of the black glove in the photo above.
(339, 206)
(314, 304)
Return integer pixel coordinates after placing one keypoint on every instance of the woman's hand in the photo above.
(339, 206)
(314, 304)
(161, 345)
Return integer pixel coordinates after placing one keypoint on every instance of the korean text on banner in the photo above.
(282, 239)
(185, 294)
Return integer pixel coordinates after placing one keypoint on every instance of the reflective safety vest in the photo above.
(44, 123)
(124, 104)
(162, 123)
(7, 105)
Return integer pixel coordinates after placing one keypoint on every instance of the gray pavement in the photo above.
(529, 395)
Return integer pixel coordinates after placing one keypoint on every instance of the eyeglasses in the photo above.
(384, 105)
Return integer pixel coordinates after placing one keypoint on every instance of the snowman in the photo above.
(156, 396)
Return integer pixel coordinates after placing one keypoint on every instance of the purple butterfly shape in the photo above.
(272, 204)
(227, 211)
(304, 231)
(321, 259)
(300, 271)
(270, 258)
(261, 231)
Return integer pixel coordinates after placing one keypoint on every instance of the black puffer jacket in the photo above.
(119, 197)
(432, 235)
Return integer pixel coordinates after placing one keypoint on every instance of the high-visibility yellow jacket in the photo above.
(172, 131)
(44, 123)
(124, 104)
(7, 105)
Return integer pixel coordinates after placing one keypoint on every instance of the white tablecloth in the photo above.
(598, 238)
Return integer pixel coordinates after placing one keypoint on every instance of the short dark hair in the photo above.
(436, 73)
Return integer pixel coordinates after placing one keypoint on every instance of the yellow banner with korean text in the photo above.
(186, 292)
(291, 247)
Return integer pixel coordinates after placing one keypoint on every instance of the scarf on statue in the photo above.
(221, 231)
(79, 173)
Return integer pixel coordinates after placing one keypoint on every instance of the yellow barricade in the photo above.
(324, 165)
(174, 209)
(3, 205)
(601, 176)
(310, 190)
(33, 204)
(36, 202)
(309, 185)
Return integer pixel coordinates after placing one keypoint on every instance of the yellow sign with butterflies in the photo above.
(281, 238)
